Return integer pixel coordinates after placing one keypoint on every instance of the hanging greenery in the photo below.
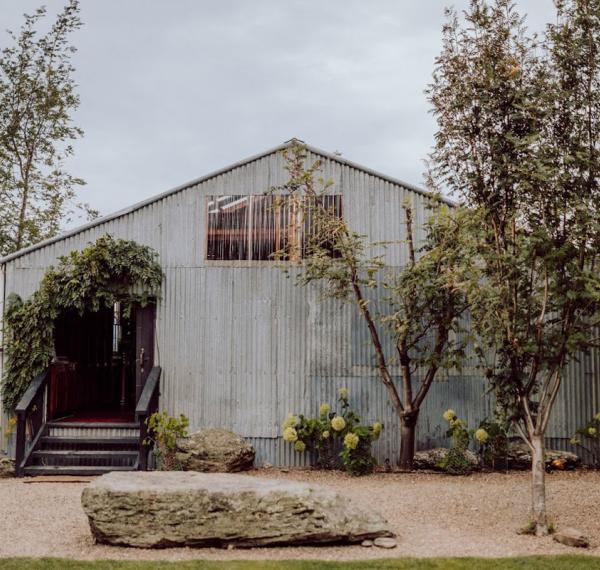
(107, 271)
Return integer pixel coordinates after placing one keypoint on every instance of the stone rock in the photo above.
(429, 459)
(367, 543)
(7, 466)
(385, 542)
(215, 450)
(159, 509)
(519, 457)
(571, 537)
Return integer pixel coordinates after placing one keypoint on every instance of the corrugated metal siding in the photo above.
(242, 346)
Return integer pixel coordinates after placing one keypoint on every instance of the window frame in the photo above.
(249, 262)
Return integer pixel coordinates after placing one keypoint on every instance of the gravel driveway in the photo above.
(434, 515)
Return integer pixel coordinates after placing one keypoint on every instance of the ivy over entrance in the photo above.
(107, 271)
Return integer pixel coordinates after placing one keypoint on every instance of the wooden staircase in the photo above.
(85, 448)
(70, 448)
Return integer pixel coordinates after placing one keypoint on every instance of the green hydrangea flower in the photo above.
(449, 415)
(325, 435)
(351, 440)
(343, 393)
(324, 409)
(290, 434)
(290, 421)
(338, 423)
(300, 446)
(377, 427)
(481, 435)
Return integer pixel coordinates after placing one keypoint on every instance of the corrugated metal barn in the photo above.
(241, 345)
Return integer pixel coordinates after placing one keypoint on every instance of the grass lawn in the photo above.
(527, 562)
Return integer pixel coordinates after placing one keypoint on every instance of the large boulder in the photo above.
(7, 466)
(174, 508)
(518, 456)
(429, 459)
(215, 450)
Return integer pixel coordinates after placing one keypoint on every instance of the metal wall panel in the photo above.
(241, 345)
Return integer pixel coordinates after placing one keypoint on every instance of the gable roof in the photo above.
(157, 197)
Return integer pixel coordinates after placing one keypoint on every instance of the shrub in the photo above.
(493, 447)
(163, 432)
(332, 430)
(456, 461)
(587, 438)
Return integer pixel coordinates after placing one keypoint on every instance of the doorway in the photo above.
(101, 363)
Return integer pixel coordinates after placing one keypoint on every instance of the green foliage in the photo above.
(37, 99)
(519, 140)
(492, 438)
(417, 307)
(108, 271)
(588, 437)
(331, 428)
(455, 461)
(163, 432)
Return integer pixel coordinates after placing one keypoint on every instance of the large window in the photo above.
(258, 228)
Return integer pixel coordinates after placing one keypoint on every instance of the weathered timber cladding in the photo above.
(241, 345)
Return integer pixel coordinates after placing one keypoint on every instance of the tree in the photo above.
(37, 98)
(418, 308)
(518, 141)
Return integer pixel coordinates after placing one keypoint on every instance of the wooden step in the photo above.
(74, 469)
(84, 454)
(81, 440)
(94, 425)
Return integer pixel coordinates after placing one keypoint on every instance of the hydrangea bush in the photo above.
(325, 433)
(490, 439)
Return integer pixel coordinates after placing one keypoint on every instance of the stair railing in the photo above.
(146, 406)
(31, 420)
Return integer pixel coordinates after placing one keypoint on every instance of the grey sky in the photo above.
(171, 90)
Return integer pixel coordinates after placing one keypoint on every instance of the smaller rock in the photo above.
(367, 543)
(384, 542)
(7, 466)
(429, 459)
(215, 450)
(571, 537)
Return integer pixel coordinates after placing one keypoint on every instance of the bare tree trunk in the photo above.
(538, 473)
(408, 428)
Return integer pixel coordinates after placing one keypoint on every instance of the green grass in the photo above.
(527, 562)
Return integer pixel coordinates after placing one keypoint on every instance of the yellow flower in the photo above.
(481, 435)
(343, 392)
(338, 423)
(300, 446)
(324, 409)
(351, 440)
(597, 417)
(290, 434)
(325, 435)
(377, 427)
(449, 415)
(290, 421)
(574, 441)
(12, 421)
(592, 431)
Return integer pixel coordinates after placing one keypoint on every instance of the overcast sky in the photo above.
(172, 90)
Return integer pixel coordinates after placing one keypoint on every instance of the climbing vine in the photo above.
(105, 272)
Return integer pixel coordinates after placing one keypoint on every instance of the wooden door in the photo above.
(144, 345)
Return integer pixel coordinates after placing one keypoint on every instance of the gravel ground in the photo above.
(433, 515)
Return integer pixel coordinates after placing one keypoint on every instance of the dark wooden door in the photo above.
(144, 345)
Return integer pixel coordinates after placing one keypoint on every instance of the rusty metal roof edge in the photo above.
(186, 185)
